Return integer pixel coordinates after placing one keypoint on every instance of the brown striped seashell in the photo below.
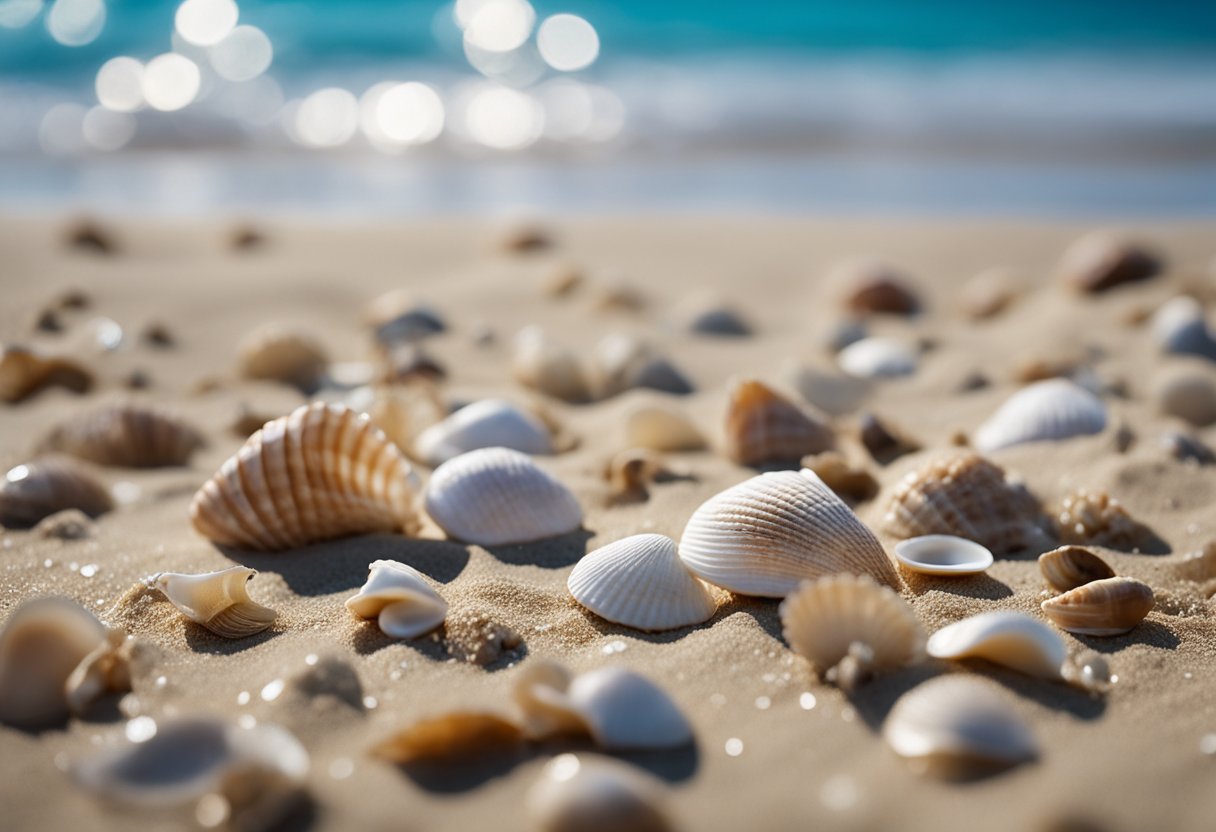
(319, 473)
(126, 435)
(278, 354)
(46, 486)
(763, 426)
(873, 287)
(24, 372)
(1108, 607)
(1071, 566)
(1101, 260)
(455, 736)
(1098, 519)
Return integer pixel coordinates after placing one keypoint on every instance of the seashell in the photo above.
(579, 793)
(622, 362)
(1054, 409)
(1186, 447)
(218, 601)
(852, 484)
(877, 357)
(408, 362)
(766, 535)
(885, 442)
(958, 726)
(496, 496)
(105, 670)
(1098, 519)
(763, 426)
(875, 287)
(967, 496)
(1100, 261)
(1198, 566)
(456, 736)
(485, 424)
(630, 473)
(277, 354)
(562, 281)
(988, 294)
(708, 315)
(850, 628)
(1030, 370)
(830, 392)
(1109, 607)
(662, 428)
(398, 317)
(1069, 567)
(24, 372)
(399, 598)
(69, 524)
(1181, 328)
(90, 236)
(246, 238)
(943, 554)
(523, 238)
(640, 582)
(1010, 639)
(1189, 394)
(545, 366)
(1088, 671)
(126, 435)
(402, 411)
(46, 486)
(321, 472)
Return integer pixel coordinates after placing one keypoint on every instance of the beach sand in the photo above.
(1129, 760)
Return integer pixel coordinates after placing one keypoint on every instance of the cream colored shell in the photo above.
(662, 428)
(763, 426)
(544, 365)
(582, 793)
(278, 354)
(218, 601)
(1003, 637)
(1108, 607)
(1050, 410)
(487, 423)
(399, 598)
(1069, 567)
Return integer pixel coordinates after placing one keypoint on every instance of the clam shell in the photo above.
(497, 496)
(1069, 567)
(1108, 607)
(580, 793)
(127, 435)
(1097, 518)
(874, 287)
(278, 354)
(877, 357)
(24, 372)
(399, 598)
(764, 426)
(460, 735)
(36, 490)
(967, 496)
(547, 367)
(662, 428)
(849, 627)
(1049, 410)
(1181, 328)
(218, 601)
(1190, 394)
(1010, 639)
(321, 472)
(1102, 260)
(622, 362)
(640, 582)
(766, 535)
(943, 554)
(487, 423)
(956, 726)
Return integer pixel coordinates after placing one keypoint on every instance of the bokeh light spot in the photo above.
(327, 118)
(107, 130)
(61, 133)
(504, 119)
(120, 84)
(243, 55)
(500, 25)
(206, 22)
(76, 22)
(171, 82)
(17, 13)
(410, 113)
(567, 42)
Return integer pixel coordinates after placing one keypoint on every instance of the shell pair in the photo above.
(1094, 601)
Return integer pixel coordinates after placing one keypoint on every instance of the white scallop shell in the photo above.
(640, 582)
(943, 554)
(766, 535)
(662, 428)
(581, 793)
(217, 600)
(399, 598)
(487, 423)
(1180, 327)
(1054, 409)
(1003, 637)
(878, 357)
(496, 496)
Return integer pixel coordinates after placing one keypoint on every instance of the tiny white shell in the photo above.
(484, 424)
(662, 428)
(1054, 409)
(943, 554)
(1180, 327)
(1003, 637)
(400, 599)
(580, 793)
(217, 600)
(498, 496)
(640, 582)
(878, 357)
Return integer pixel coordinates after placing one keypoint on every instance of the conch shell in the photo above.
(218, 601)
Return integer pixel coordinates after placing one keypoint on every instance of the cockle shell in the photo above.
(957, 726)
(942, 554)
(1189, 393)
(581, 793)
(1101, 260)
(450, 737)
(967, 496)
(218, 601)
(546, 366)
(45, 486)
(399, 598)
(1108, 607)
(766, 535)
(877, 357)
(1049, 410)
(872, 286)
(764, 426)
(319, 473)
(849, 628)
(1003, 637)
(24, 372)
(126, 435)
(1181, 328)
(1099, 519)
(278, 354)
(662, 428)
(483, 424)
(497, 496)
(622, 362)
(640, 582)
(1069, 567)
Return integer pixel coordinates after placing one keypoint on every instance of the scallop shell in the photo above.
(849, 628)
(580, 793)
(45, 486)
(763, 426)
(126, 435)
(1069, 567)
(24, 372)
(640, 582)
(959, 726)
(766, 535)
(455, 736)
(399, 316)
(1052, 410)
(875, 287)
(662, 428)
(877, 357)
(548, 367)
(1101, 260)
(1190, 394)
(278, 354)
(1010, 639)
(1181, 328)
(1108, 607)
(498, 496)
(487, 423)
(967, 496)
(218, 601)
(943, 554)
(319, 473)
(399, 598)
(1099, 519)
(622, 362)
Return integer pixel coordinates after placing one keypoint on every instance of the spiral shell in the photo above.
(484, 424)
(1108, 607)
(321, 472)
(1049, 410)
(764, 426)
(399, 598)
(49, 485)
(24, 372)
(1069, 567)
(218, 601)
(1010, 639)
(278, 354)
(126, 435)
(1102, 260)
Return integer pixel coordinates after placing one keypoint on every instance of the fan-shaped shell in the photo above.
(580, 793)
(546, 366)
(24, 372)
(1102, 260)
(319, 473)
(278, 354)
(45, 486)
(1048, 410)
(640, 582)
(399, 598)
(487, 423)
(766, 535)
(877, 357)
(967, 496)
(1003, 637)
(1108, 607)
(662, 428)
(1180, 327)
(218, 601)
(496, 496)
(126, 435)
(764, 426)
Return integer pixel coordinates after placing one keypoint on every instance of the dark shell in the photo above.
(38, 489)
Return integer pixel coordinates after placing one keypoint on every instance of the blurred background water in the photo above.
(420, 106)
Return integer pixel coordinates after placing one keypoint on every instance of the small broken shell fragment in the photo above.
(483, 424)
(662, 428)
(1098, 519)
(105, 670)
(24, 372)
(1108, 607)
(451, 737)
(580, 793)
(278, 354)
(218, 601)
(1102, 260)
(126, 435)
(1069, 567)
(884, 441)
(631, 472)
(399, 598)
(878, 357)
(1010, 639)
(543, 365)
(853, 484)
(943, 554)
(763, 426)
(38, 489)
